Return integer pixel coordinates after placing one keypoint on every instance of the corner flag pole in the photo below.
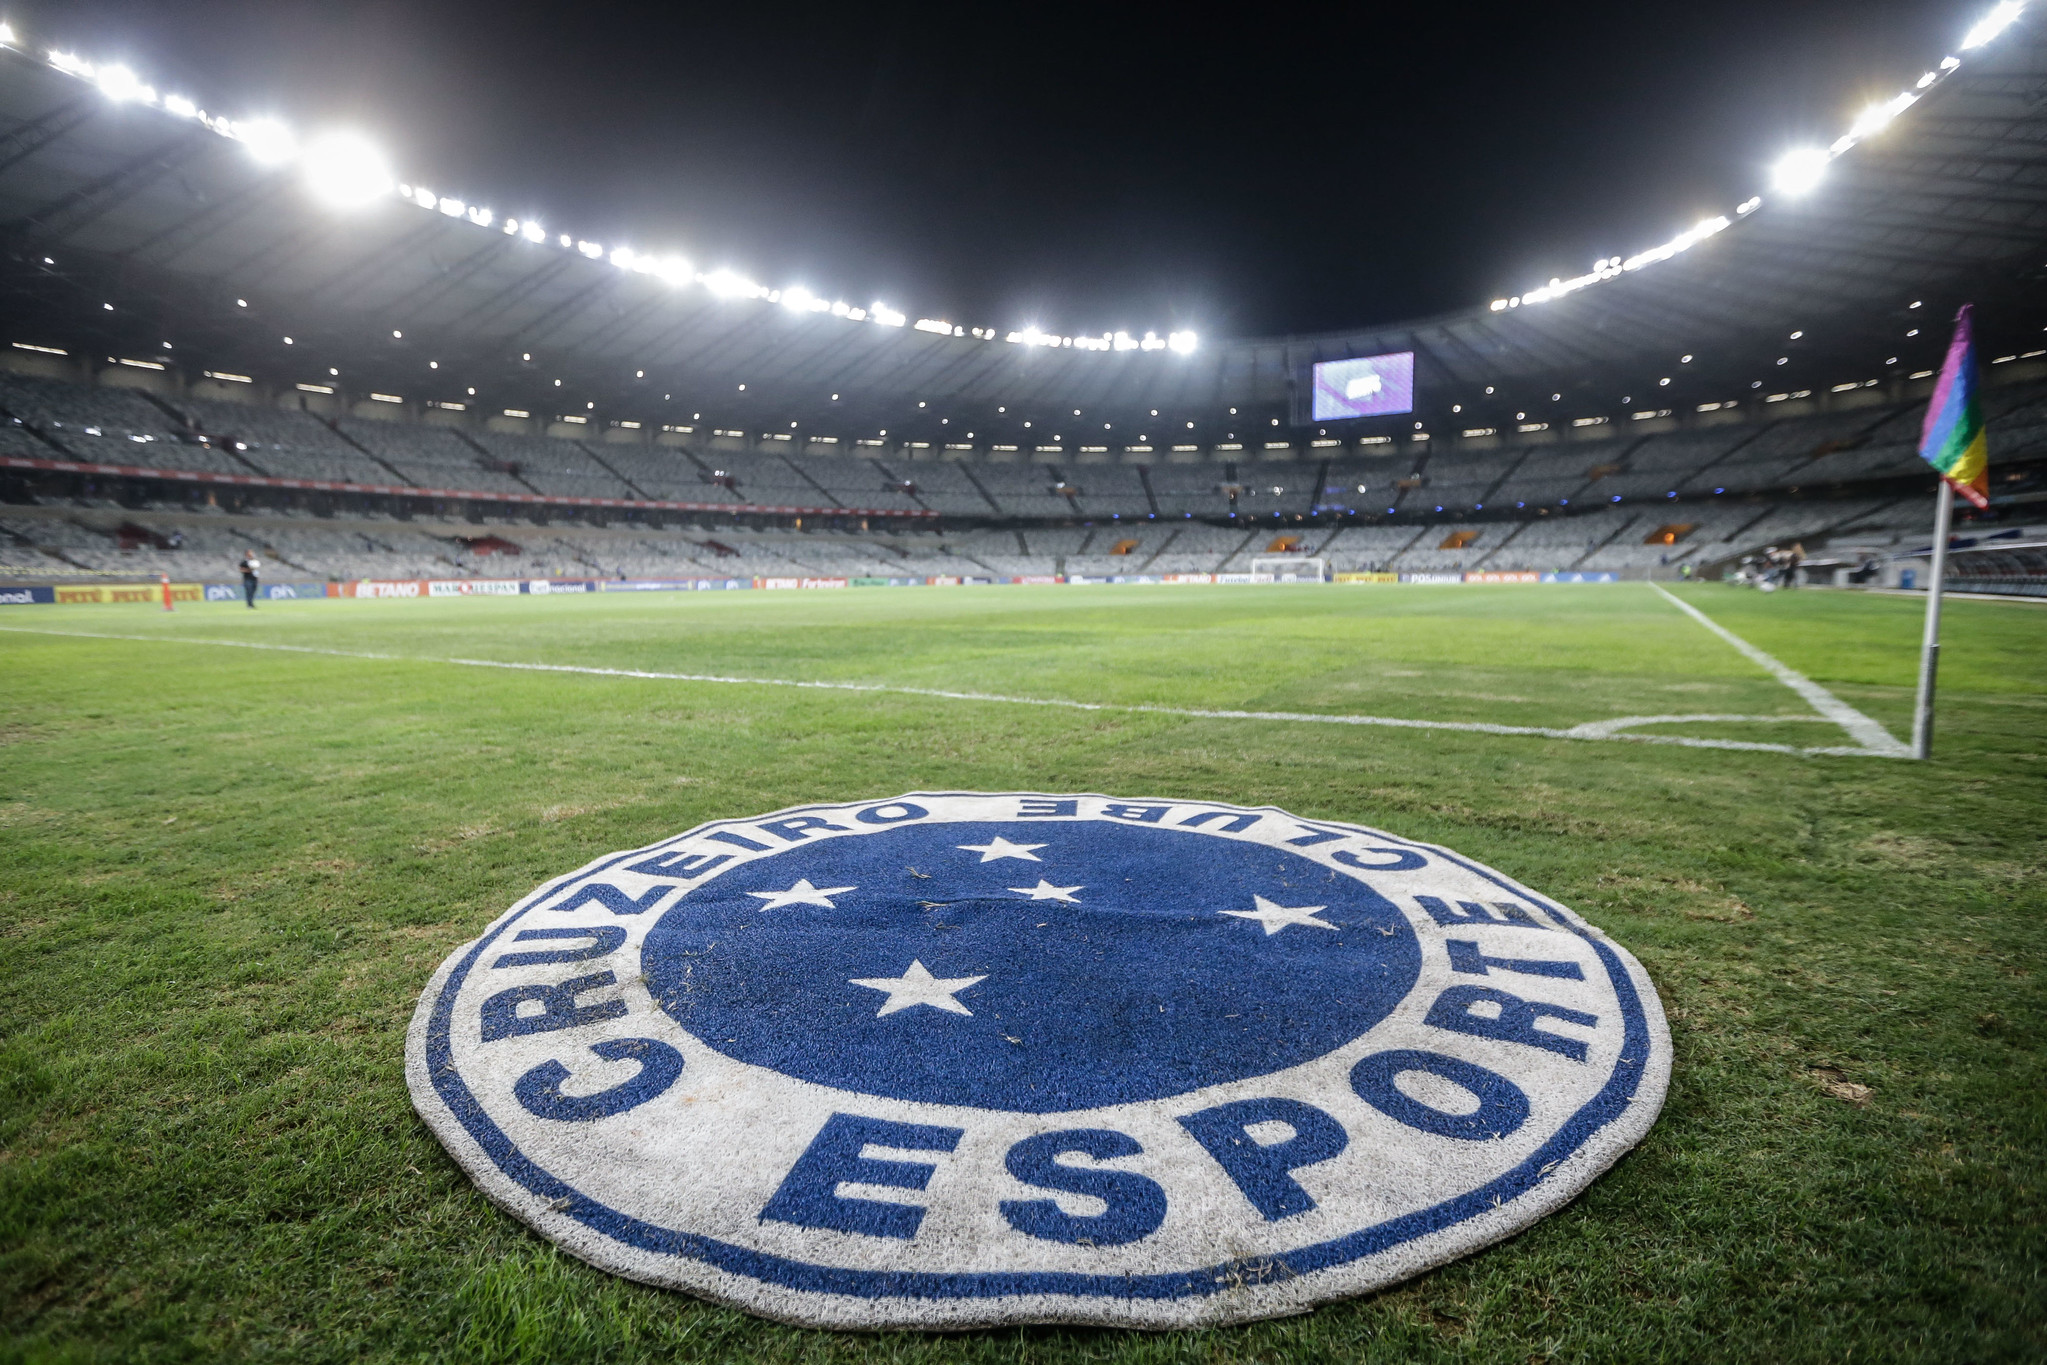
(1954, 443)
(1929, 648)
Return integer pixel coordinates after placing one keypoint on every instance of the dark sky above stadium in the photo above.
(1238, 170)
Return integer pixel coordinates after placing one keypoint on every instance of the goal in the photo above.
(1291, 568)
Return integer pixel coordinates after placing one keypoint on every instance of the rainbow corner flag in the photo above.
(1953, 440)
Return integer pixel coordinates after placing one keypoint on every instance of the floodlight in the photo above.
(120, 85)
(1990, 25)
(180, 106)
(6, 35)
(1798, 172)
(1877, 117)
(1181, 342)
(345, 169)
(269, 141)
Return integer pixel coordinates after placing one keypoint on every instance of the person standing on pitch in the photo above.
(250, 565)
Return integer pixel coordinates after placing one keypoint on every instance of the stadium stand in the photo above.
(283, 443)
(1636, 503)
(1636, 421)
(431, 457)
(1786, 405)
(187, 543)
(563, 468)
(69, 412)
(1873, 441)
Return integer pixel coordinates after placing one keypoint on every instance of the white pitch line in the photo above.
(1867, 732)
(1302, 717)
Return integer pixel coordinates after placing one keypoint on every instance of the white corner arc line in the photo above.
(1865, 731)
(1192, 713)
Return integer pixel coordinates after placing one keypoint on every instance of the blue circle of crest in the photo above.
(1141, 978)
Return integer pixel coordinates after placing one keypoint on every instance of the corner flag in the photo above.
(1953, 440)
(1954, 443)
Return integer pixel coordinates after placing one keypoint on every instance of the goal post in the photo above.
(1292, 568)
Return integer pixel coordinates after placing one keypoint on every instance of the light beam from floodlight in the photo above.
(269, 141)
(346, 170)
(121, 85)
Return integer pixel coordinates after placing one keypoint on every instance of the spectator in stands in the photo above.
(250, 566)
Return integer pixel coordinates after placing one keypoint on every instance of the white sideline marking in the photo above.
(1865, 731)
(1596, 730)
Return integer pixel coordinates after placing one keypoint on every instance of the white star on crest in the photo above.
(1002, 848)
(803, 893)
(1045, 891)
(918, 987)
(1278, 917)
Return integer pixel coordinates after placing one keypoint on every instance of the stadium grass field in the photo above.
(226, 874)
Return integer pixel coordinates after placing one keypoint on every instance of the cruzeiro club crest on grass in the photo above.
(960, 1058)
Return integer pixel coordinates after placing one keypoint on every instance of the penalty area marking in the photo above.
(1867, 732)
(1608, 730)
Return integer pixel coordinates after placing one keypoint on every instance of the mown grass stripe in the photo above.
(1192, 713)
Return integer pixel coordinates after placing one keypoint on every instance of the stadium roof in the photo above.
(126, 226)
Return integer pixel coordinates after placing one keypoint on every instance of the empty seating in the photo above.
(430, 457)
(1603, 497)
(284, 443)
(548, 465)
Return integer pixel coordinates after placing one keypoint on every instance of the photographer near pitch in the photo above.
(249, 567)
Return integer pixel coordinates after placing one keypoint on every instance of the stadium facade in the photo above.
(202, 354)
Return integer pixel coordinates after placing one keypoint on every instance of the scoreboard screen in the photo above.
(1370, 386)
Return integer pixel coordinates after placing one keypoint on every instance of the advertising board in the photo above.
(73, 594)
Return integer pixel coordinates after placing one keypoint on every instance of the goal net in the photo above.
(1291, 568)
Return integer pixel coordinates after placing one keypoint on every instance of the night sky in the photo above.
(1244, 170)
